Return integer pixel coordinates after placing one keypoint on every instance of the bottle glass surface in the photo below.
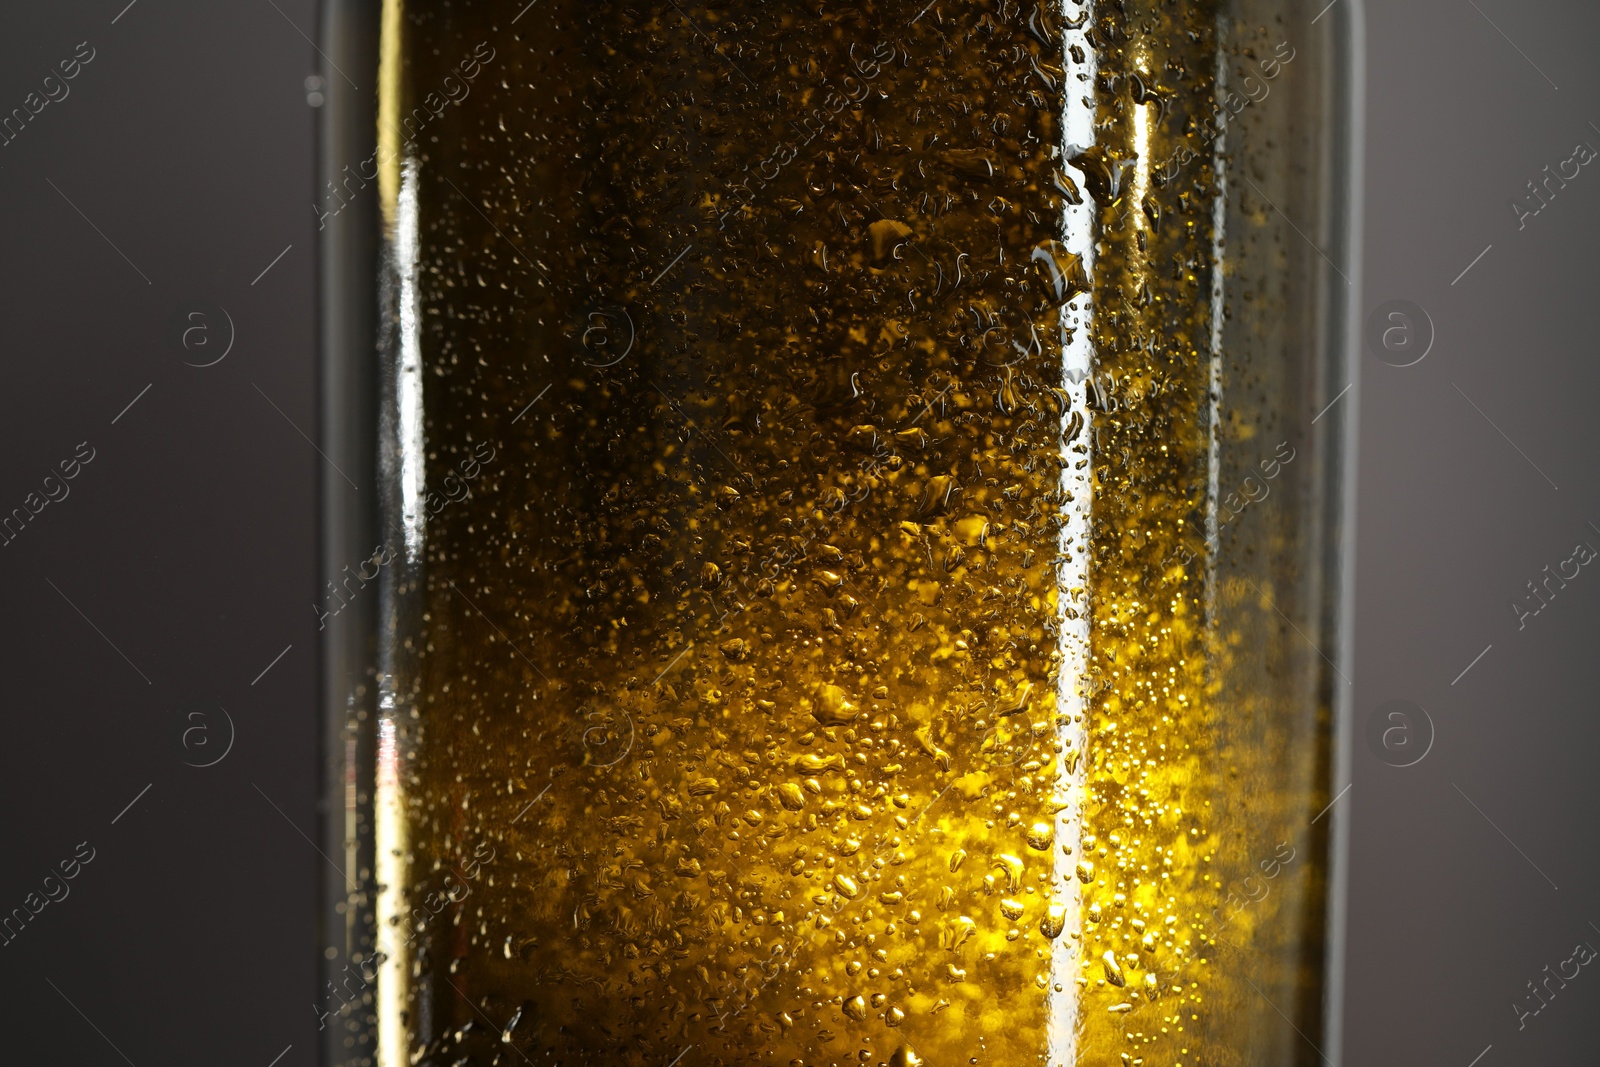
(864, 487)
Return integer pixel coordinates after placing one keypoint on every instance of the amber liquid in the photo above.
(738, 730)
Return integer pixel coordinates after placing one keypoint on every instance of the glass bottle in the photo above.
(865, 505)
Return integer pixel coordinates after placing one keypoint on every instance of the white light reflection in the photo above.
(1219, 222)
(391, 844)
(408, 382)
(1141, 156)
(1077, 223)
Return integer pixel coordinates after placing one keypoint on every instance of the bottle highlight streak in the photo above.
(821, 671)
(1079, 230)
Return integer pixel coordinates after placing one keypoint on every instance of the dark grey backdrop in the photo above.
(143, 608)
(1475, 869)
(182, 563)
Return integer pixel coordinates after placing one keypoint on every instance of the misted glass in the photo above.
(866, 485)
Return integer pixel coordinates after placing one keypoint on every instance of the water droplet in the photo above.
(1113, 969)
(1066, 187)
(906, 1056)
(1060, 272)
(833, 708)
(885, 235)
(953, 937)
(1102, 174)
(791, 796)
(1012, 866)
(936, 495)
(864, 437)
(972, 164)
(505, 1034)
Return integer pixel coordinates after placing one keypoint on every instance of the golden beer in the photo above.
(839, 554)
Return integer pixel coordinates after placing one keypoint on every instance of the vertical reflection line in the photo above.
(1219, 226)
(1072, 589)
(408, 383)
(389, 132)
(389, 829)
(352, 833)
(391, 846)
(1141, 149)
(389, 838)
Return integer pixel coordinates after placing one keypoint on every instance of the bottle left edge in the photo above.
(345, 203)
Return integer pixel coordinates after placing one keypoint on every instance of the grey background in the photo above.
(189, 541)
(187, 548)
(1449, 919)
